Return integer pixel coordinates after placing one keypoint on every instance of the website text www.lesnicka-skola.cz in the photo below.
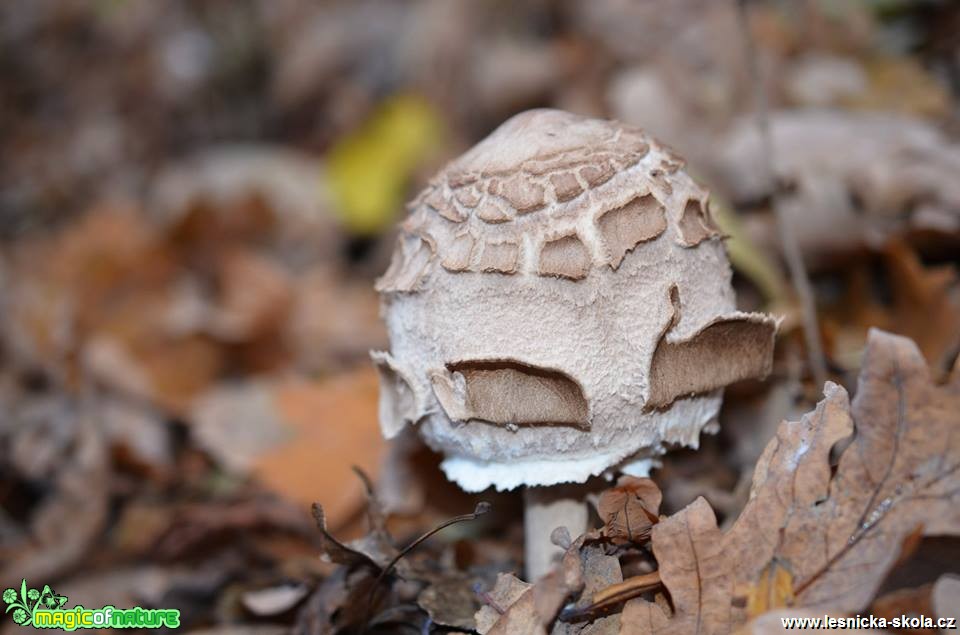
(829, 622)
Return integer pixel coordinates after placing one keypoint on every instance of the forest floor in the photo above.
(195, 201)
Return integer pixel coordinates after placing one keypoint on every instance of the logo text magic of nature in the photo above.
(44, 609)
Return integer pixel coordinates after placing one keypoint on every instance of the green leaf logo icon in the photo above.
(27, 602)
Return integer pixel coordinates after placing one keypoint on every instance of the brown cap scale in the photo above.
(559, 303)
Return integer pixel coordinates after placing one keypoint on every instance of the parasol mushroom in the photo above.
(559, 305)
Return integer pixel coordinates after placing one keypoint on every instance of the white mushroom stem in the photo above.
(545, 509)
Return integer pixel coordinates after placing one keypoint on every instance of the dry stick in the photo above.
(481, 509)
(791, 250)
(374, 513)
(613, 595)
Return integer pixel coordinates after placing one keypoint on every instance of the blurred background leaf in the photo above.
(370, 169)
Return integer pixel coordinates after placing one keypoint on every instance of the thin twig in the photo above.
(791, 250)
(374, 514)
(481, 509)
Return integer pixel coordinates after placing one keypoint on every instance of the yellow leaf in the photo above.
(773, 590)
(747, 258)
(369, 169)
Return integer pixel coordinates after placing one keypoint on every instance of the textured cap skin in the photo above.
(536, 281)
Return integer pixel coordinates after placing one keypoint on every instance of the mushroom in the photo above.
(559, 305)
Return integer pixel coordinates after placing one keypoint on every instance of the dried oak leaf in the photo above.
(338, 552)
(255, 296)
(536, 607)
(924, 306)
(504, 594)
(600, 573)
(450, 600)
(630, 509)
(836, 532)
(840, 533)
(696, 571)
(906, 601)
(71, 517)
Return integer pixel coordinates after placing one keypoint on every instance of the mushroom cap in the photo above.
(558, 303)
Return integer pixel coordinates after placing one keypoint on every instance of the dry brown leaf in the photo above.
(300, 437)
(333, 320)
(910, 601)
(236, 422)
(103, 258)
(138, 436)
(127, 303)
(840, 166)
(901, 84)
(194, 527)
(338, 552)
(923, 308)
(67, 284)
(170, 372)
(537, 607)
(839, 533)
(631, 508)
(255, 296)
(451, 600)
(504, 594)
(696, 571)
(66, 525)
(836, 531)
(334, 427)
(600, 572)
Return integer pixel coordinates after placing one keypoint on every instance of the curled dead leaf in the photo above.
(836, 531)
(840, 532)
(537, 607)
(630, 509)
(504, 594)
(696, 571)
